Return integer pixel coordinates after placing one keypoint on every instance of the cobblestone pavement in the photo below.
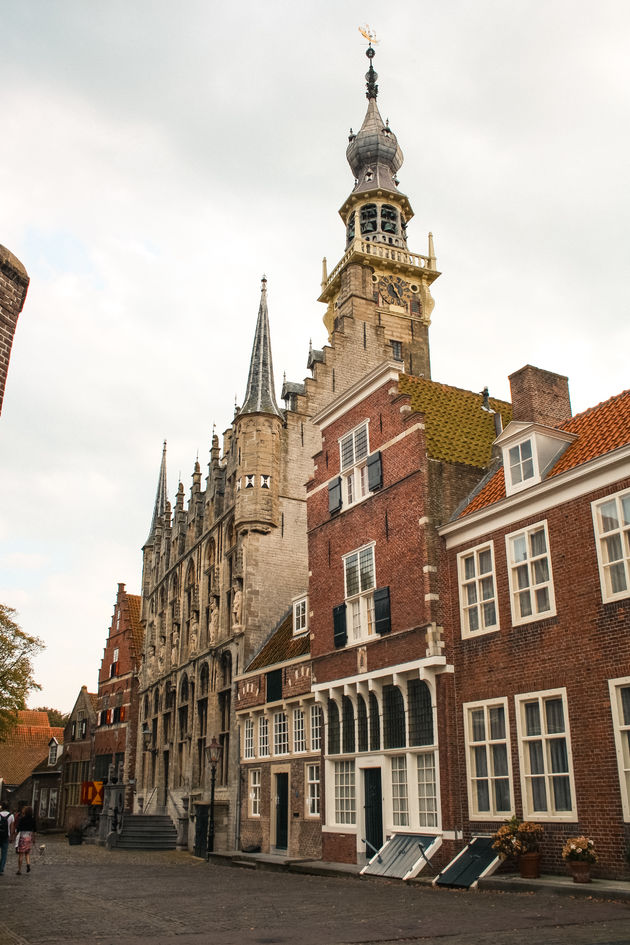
(85, 895)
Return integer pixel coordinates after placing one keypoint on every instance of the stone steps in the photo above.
(147, 832)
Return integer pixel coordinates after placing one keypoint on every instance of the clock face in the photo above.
(394, 290)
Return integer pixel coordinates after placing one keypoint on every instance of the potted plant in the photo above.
(579, 853)
(520, 839)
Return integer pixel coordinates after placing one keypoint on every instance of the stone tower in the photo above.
(14, 282)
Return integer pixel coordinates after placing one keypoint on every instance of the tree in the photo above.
(55, 717)
(17, 651)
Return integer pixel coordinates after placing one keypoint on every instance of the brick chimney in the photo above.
(540, 396)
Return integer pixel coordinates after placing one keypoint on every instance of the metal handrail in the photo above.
(368, 844)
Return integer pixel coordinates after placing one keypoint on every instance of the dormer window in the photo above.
(300, 617)
(521, 462)
(530, 450)
(53, 748)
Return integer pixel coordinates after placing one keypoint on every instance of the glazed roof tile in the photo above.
(282, 646)
(600, 430)
(457, 428)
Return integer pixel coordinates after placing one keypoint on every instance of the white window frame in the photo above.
(622, 741)
(360, 605)
(345, 794)
(527, 467)
(263, 736)
(476, 582)
(312, 779)
(280, 733)
(400, 790)
(317, 726)
(255, 792)
(623, 531)
(248, 739)
(300, 616)
(428, 812)
(354, 474)
(53, 751)
(530, 562)
(299, 731)
(547, 738)
(488, 743)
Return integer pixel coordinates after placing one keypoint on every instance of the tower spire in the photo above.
(260, 395)
(161, 497)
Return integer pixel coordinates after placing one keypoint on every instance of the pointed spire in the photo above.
(160, 496)
(260, 395)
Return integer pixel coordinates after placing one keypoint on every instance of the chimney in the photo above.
(540, 396)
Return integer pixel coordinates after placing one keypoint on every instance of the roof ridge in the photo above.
(602, 403)
(461, 390)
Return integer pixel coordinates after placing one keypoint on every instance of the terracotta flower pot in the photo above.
(580, 870)
(529, 865)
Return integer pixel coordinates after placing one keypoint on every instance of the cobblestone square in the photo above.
(85, 894)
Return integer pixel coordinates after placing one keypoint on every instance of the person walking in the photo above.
(26, 827)
(6, 831)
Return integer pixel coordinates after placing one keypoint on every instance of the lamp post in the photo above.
(213, 754)
(147, 739)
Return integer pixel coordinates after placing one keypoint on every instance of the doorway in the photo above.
(373, 793)
(164, 798)
(282, 810)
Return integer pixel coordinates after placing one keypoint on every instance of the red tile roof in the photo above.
(600, 430)
(26, 745)
(282, 646)
(137, 634)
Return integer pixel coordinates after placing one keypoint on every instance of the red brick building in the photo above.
(77, 759)
(115, 737)
(281, 739)
(539, 626)
(399, 453)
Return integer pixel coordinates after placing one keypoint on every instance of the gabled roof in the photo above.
(457, 427)
(600, 430)
(137, 636)
(282, 646)
(93, 697)
(26, 745)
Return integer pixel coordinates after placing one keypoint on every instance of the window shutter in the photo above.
(375, 472)
(334, 495)
(382, 617)
(339, 625)
(274, 685)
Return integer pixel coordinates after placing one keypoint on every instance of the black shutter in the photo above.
(382, 617)
(274, 685)
(334, 495)
(339, 625)
(375, 472)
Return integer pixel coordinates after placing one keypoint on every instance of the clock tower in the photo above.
(379, 282)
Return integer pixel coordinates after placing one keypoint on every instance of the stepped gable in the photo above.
(600, 430)
(282, 646)
(457, 427)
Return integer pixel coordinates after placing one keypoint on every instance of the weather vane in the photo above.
(368, 34)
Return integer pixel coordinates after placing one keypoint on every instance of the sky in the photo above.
(157, 159)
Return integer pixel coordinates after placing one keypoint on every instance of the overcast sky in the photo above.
(157, 158)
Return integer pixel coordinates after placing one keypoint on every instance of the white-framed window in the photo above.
(360, 581)
(300, 620)
(488, 763)
(248, 739)
(353, 450)
(521, 461)
(299, 731)
(620, 706)
(116, 653)
(529, 570)
(316, 728)
(53, 749)
(478, 591)
(254, 792)
(280, 734)
(611, 518)
(345, 793)
(312, 790)
(263, 737)
(544, 747)
(400, 800)
(427, 790)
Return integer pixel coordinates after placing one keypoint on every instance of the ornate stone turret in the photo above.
(257, 428)
(160, 497)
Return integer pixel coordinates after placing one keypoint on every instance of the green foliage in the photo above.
(55, 717)
(17, 651)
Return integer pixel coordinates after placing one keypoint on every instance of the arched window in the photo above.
(350, 227)
(362, 724)
(333, 728)
(146, 707)
(369, 218)
(226, 670)
(393, 717)
(348, 725)
(204, 680)
(183, 689)
(420, 713)
(156, 702)
(389, 219)
(375, 724)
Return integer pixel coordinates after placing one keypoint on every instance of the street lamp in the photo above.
(147, 739)
(213, 754)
